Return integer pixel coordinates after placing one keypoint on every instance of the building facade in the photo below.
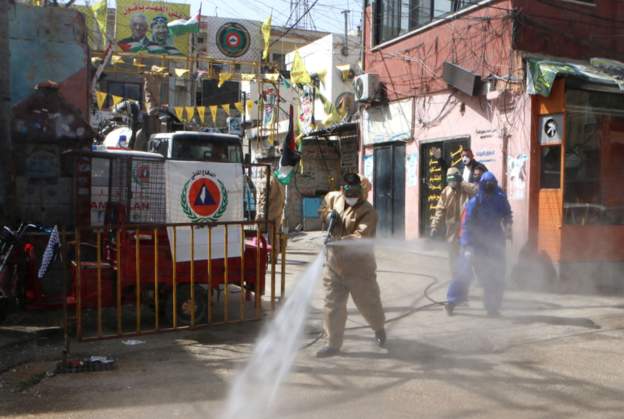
(494, 76)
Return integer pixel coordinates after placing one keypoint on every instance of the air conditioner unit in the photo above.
(366, 87)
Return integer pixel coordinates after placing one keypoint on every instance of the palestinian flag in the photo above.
(182, 27)
(290, 157)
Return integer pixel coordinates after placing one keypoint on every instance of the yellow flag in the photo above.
(201, 111)
(249, 105)
(247, 77)
(239, 106)
(100, 10)
(116, 99)
(298, 72)
(181, 72)
(116, 59)
(271, 76)
(223, 77)
(190, 112)
(179, 111)
(213, 112)
(100, 98)
(266, 37)
(226, 108)
(321, 75)
(159, 70)
(137, 63)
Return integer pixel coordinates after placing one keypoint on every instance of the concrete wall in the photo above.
(321, 172)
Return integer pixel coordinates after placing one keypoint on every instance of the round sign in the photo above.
(233, 39)
(204, 197)
(550, 128)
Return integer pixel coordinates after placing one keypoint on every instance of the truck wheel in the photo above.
(184, 305)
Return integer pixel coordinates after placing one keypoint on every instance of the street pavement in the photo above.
(547, 356)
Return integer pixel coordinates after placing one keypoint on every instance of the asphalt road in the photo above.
(548, 356)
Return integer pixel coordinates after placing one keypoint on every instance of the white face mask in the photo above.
(466, 159)
(351, 201)
(285, 170)
(452, 184)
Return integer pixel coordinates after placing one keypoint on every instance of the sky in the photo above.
(326, 14)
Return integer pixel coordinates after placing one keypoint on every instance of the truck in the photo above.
(166, 228)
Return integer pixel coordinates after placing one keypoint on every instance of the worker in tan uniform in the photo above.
(273, 211)
(350, 267)
(447, 217)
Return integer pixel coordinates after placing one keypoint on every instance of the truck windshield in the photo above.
(206, 148)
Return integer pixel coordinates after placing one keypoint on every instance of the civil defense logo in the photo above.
(204, 197)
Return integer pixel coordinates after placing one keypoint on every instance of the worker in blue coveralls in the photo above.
(485, 225)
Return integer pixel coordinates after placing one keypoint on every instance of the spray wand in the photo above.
(333, 218)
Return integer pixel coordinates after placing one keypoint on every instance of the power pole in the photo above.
(6, 146)
(345, 47)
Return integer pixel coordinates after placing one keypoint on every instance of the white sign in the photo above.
(382, 124)
(200, 192)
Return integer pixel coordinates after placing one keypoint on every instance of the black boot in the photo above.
(449, 307)
(380, 338)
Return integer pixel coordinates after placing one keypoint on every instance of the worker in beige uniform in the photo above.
(447, 218)
(350, 267)
(273, 211)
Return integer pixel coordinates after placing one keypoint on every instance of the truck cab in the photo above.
(197, 146)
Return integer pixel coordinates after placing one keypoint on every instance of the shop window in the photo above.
(393, 18)
(550, 167)
(594, 171)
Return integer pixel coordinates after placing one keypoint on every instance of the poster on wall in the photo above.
(388, 123)
(142, 26)
(199, 193)
(411, 166)
(368, 167)
(516, 169)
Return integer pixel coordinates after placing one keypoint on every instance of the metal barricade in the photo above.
(153, 278)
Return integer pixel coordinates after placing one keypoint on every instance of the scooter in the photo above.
(12, 287)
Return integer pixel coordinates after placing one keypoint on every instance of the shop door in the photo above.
(389, 189)
(437, 157)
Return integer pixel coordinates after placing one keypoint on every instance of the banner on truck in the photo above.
(204, 192)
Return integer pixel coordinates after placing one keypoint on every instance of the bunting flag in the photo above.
(213, 112)
(249, 105)
(190, 113)
(137, 63)
(290, 157)
(182, 26)
(179, 111)
(248, 77)
(181, 72)
(117, 59)
(50, 252)
(100, 98)
(298, 72)
(239, 107)
(223, 77)
(321, 75)
(116, 99)
(201, 111)
(266, 37)
(159, 70)
(271, 76)
(226, 108)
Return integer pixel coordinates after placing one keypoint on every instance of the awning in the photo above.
(541, 73)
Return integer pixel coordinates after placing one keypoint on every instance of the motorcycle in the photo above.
(14, 257)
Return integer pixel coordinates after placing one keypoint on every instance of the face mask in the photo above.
(351, 201)
(285, 170)
(466, 160)
(452, 184)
